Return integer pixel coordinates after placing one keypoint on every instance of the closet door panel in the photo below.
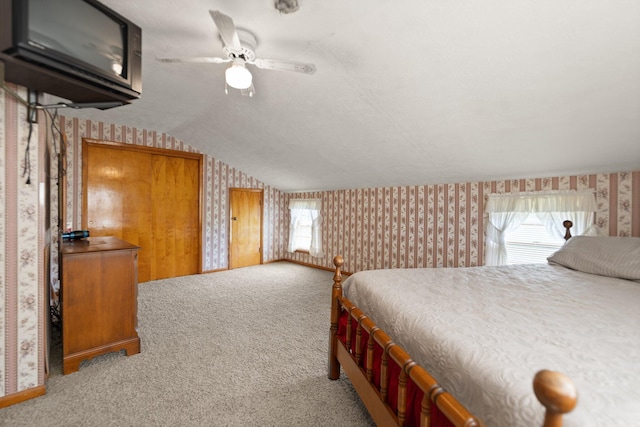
(147, 198)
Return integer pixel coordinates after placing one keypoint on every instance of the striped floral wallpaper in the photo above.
(22, 243)
(218, 178)
(443, 225)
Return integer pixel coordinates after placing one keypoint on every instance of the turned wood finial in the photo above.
(338, 261)
(557, 393)
(567, 224)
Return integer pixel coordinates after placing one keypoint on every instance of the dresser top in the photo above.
(95, 244)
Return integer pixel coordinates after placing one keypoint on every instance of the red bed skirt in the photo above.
(414, 394)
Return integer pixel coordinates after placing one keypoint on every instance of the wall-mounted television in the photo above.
(79, 50)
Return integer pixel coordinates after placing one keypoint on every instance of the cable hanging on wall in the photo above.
(33, 106)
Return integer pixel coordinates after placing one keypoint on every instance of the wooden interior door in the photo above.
(149, 197)
(245, 238)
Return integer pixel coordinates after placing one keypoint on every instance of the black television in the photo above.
(79, 50)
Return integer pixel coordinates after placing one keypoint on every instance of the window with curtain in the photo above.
(305, 227)
(540, 213)
(531, 243)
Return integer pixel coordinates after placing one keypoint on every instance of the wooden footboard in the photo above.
(554, 390)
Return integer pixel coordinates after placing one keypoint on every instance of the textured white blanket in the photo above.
(483, 333)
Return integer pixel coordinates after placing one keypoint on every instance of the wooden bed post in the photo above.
(557, 394)
(567, 224)
(334, 365)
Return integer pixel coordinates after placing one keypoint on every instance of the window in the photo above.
(507, 212)
(531, 243)
(302, 232)
(305, 227)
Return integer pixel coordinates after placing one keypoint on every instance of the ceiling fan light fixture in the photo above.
(237, 75)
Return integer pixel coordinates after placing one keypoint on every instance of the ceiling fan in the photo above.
(239, 49)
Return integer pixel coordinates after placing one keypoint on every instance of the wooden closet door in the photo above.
(176, 223)
(147, 198)
(117, 191)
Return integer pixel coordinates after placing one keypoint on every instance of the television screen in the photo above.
(79, 30)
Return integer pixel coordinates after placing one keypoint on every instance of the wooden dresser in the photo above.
(99, 299)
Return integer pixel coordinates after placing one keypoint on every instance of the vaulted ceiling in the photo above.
(406, 93)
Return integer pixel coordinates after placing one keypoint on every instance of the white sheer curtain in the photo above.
(552, 208)
(508, 211)
(316, 234)
(297, 207)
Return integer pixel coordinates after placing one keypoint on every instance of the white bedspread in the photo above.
(484, 332)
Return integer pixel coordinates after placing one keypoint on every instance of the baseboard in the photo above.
(306, 264)
(21, 396)
(215, 271)
(319, 267)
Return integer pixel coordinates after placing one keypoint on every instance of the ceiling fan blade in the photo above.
(278, 65)
(227, 30)
(198, 59)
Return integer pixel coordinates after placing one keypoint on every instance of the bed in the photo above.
(475, 346)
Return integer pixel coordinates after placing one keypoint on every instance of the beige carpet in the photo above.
(242, 347)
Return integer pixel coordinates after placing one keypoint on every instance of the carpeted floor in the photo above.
(236, 348)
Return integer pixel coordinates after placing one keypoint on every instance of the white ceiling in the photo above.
(406, 93)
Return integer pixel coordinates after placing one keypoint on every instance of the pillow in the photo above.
(605, 256)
